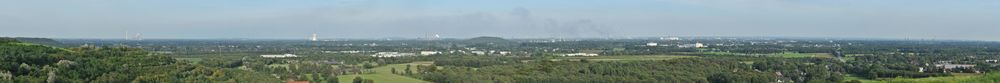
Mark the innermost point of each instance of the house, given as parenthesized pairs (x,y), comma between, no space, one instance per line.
(293,81)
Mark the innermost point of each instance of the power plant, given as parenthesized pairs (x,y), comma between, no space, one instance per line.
(314,38)
(137,36)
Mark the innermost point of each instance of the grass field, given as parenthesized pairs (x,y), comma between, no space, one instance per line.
(785,55)
(950,79)
(804,55)
(384,74)
(189,59)
(625,58)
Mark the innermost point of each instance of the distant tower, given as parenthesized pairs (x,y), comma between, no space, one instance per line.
(126,35)
(314,37)
(436,36)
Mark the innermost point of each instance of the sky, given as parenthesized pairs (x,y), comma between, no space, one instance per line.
(299,19)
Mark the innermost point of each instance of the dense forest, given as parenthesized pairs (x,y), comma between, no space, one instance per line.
(669,71)
(31,63)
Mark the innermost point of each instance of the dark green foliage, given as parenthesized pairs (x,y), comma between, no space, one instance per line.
(35,63)
(802,69)
(407,70)
(222,63)
(332,79)
(854,81)
(358,80)
(41,41)
(740,77)
(394,71)
(7,40)
(891,66)
(477,61)
(368,65)
(368,81)
(671,71)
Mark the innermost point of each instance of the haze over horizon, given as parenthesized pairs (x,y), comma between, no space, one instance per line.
(289,19)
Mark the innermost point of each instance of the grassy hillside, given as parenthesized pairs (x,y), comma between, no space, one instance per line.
(41,41)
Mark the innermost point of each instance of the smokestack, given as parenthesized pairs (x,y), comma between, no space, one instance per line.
(126,35)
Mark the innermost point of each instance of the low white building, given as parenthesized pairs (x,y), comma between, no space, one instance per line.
(504,52)
(479,52)
(429,52)
(652,44)
(695,45)
(953,66)
(279,56)
(392,54)
(581,54)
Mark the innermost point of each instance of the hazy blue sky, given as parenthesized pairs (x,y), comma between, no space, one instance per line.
(916,19)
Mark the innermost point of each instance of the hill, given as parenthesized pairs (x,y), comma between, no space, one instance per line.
(489,42)
(42,41)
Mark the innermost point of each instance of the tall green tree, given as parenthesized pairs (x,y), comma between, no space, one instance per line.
(358,80)
(394,71)
(407,70)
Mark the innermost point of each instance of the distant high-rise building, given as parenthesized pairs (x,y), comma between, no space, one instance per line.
(126,35)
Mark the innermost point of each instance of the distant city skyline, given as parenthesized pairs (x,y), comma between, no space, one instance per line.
(329,19)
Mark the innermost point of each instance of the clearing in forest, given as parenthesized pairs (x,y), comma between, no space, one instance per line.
(384,74)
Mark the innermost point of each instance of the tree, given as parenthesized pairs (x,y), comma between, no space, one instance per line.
(854,81)
(332,79)
(368,66)
(408,71)
(369,81)
(358,80)
(111,78)
(722,78)
(394,70)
